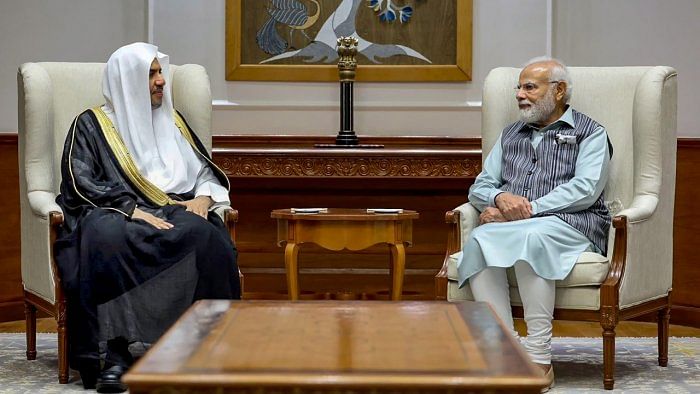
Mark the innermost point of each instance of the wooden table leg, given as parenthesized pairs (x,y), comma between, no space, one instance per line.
(291,252)
(398,265)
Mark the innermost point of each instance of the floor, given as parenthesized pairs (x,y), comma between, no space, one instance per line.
(560,329)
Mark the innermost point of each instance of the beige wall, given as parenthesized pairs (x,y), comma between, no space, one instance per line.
(506,33)
(632,33)
(61,30)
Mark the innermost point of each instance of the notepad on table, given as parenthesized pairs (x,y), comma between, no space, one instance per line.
(384,210)
(309,210)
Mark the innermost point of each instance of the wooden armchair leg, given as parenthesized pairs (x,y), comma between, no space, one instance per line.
(663,318)
(62,344)
(608,356)
(30,318)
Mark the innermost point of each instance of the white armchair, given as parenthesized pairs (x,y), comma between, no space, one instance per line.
(51,95)
(637,105)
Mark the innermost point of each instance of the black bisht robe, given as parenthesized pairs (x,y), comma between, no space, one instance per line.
(123,278)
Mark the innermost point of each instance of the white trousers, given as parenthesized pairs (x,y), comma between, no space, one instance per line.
(537,294)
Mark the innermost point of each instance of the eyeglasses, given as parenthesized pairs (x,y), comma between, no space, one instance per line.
(530,86)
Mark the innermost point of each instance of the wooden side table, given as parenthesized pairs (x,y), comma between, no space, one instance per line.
(351,229)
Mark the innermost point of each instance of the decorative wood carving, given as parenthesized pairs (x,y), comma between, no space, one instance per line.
(608,318)
(249,163)
(404,157)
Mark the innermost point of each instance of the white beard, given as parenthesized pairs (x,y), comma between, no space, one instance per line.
(539,111)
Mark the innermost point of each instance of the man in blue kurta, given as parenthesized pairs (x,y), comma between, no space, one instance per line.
(540,195)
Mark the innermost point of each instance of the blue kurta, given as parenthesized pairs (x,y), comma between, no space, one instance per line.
(548,244)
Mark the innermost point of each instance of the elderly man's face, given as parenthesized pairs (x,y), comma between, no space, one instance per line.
(537,95)
(156,82)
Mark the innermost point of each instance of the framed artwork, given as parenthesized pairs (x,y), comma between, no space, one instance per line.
(399,40)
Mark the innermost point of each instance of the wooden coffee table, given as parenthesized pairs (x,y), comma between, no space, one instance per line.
(335,346)
(339,229)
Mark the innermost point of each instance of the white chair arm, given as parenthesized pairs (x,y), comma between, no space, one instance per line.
(43,203)
(641,209)
(649,258)
(468,219)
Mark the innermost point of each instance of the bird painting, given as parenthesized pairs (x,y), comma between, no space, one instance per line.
(341,23)
(291,13)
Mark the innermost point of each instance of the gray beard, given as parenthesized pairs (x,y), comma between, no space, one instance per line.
(156,106)
(540,110)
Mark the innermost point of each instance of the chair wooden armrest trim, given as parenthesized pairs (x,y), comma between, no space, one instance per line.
(56,220)
(610,299)
(610,288)
(453,245)
(230,220)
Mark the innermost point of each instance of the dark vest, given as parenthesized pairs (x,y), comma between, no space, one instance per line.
(534,172)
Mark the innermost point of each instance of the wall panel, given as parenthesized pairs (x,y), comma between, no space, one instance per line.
(11,305)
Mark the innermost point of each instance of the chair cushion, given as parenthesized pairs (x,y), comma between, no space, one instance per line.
(582,297)
(590,270)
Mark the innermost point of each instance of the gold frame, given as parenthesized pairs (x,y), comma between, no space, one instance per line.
(461,71)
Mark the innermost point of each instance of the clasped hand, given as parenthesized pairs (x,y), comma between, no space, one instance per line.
(513,207)
(199,206)
(491,215)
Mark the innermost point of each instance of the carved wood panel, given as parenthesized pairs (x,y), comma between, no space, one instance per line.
(278,164)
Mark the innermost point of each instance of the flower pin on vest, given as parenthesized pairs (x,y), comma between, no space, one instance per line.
(563,139)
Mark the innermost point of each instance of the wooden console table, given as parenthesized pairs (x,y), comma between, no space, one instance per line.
(338,229)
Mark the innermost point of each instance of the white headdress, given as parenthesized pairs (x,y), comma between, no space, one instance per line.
(156,145)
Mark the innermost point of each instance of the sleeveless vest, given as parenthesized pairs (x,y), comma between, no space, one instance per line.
(534,172)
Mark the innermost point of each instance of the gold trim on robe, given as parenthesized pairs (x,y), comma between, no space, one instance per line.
(116,144)
(180,123)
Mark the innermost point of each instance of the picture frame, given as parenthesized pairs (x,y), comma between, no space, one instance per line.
(247,43)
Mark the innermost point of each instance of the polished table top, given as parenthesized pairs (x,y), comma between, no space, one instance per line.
(327,345)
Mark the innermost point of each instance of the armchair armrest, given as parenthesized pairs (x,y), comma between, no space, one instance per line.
(641,209)
(461,221)
(55,221)
(642,258)
(230,218)
(43,203)
(469,218)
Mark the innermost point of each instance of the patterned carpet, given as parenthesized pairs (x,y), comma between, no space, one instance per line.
(577,365)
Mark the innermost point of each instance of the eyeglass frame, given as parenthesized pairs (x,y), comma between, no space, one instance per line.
(534,86)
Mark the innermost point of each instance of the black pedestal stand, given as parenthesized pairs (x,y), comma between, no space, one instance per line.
(346,138)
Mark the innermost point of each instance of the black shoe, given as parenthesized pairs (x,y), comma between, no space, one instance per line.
(110,380)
